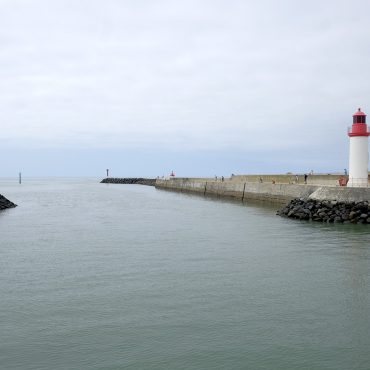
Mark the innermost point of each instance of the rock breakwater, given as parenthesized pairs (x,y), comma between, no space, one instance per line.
(327,211)
(132,180)
(6,203)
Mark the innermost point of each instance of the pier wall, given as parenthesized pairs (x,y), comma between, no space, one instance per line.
(276,193)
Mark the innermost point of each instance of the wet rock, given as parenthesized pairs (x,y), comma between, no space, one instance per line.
(352,214)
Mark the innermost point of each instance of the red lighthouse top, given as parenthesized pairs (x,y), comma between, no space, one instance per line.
(359,126)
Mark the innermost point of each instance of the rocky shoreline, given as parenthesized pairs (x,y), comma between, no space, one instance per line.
(6,203)
(327,211)
(132,180)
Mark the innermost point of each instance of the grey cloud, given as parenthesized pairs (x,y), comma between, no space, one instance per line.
(192,74)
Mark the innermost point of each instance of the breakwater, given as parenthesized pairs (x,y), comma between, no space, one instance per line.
(6,203)
(270,192)
(327,211)
(131,180)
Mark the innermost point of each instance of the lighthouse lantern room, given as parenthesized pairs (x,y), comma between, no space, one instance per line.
(358,151)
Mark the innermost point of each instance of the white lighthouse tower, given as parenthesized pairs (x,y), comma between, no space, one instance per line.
(358,151)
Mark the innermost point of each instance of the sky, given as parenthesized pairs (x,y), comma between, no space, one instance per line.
(200,87)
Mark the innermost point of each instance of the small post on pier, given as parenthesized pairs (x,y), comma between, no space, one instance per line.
(20,177)
(107,172)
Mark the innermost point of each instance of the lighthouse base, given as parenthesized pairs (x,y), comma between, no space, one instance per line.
(358,183)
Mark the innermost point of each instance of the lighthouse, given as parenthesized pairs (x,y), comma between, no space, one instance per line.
(358,151)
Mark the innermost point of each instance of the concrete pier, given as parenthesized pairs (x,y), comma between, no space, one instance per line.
(273,191)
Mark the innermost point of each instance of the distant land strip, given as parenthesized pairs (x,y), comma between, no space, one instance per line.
(131,180)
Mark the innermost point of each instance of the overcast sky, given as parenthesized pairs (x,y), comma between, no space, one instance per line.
(202,87)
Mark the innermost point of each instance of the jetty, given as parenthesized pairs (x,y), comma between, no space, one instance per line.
(316,197)
(270,188)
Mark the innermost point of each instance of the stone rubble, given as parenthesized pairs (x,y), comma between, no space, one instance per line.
(5,203)
(133,180)
(327,211)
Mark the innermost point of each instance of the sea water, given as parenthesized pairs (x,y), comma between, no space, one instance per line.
(103,276)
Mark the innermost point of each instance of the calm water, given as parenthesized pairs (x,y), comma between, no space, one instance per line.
(98,276)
